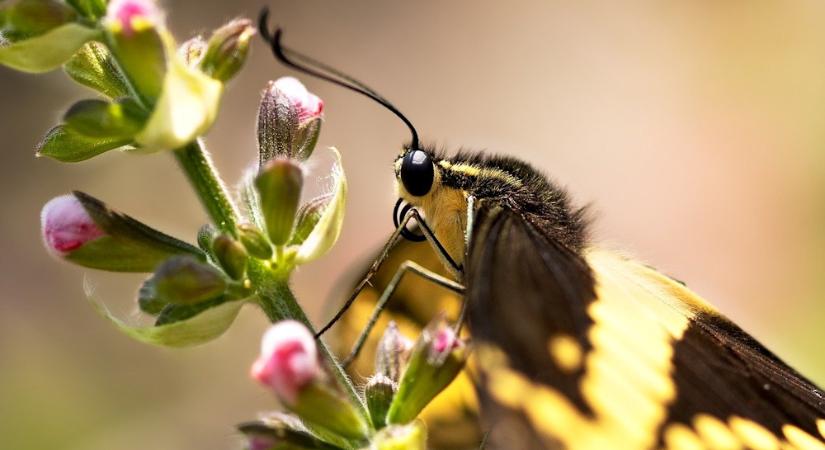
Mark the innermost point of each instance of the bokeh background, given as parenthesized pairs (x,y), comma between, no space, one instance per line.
(696,129)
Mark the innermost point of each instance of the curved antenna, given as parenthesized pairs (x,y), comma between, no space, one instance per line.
(320,70)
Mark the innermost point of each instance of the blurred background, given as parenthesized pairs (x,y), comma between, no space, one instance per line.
(695,129)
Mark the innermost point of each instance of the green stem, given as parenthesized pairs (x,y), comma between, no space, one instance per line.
(277,301)
(196,163)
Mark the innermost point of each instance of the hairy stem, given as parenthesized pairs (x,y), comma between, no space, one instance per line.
(195,162)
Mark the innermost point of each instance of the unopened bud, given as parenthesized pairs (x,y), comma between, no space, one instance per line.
(285,120)
(436,359)
(227,49)
(231,255)
(279,186)
(392,353)
(185,281)
(134,36)
(289,360)
(67,226)
(83,230)
(254,241)
(289,365)
(379,393)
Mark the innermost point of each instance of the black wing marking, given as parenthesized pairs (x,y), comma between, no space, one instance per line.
(524,289)
(722,371)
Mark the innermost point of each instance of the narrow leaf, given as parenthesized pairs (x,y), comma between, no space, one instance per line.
(67,145)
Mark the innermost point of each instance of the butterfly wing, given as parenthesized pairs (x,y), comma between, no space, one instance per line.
(593,350)
(526,293)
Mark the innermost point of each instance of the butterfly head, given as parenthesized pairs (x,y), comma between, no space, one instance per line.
(416,174)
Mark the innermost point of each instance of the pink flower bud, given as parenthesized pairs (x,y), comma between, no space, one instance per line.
(308,105)
(288,360)
(445,340)
(129,16)
(66,225)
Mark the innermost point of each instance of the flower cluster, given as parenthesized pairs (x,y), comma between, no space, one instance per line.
(408,376)
(156,95)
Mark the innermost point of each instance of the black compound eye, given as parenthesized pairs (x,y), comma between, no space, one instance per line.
(417,172)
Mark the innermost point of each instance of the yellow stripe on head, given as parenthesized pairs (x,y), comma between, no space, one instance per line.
(472,170)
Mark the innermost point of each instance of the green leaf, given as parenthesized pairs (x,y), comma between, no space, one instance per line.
(48,51)
(67,145)
(108,120)
(93,66)
(29,18)
(328,228)
(187,107)
(206,326)
(93,9)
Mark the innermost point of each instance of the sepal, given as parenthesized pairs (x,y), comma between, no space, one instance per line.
(436,359)
(307,218)
(67,145)
(94,67)
(328,228)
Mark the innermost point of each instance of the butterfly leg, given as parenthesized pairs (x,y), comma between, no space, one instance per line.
(406,266)
(468,234)
(428,234)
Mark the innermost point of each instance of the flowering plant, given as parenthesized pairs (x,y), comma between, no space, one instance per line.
(154,95)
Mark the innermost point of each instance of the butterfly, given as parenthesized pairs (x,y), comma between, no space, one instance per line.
(577,346)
